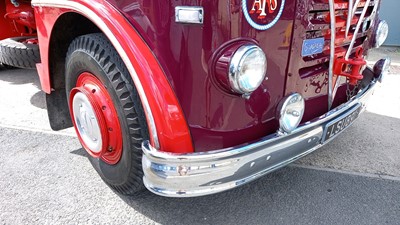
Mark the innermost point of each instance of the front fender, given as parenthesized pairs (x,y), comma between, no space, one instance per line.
(168,128)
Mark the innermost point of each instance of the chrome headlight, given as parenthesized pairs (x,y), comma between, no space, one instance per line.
(291,112)
(381,33)
(247,69)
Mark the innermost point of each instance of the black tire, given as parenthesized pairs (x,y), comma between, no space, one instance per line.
(5,67)
(95,54)
(17,54)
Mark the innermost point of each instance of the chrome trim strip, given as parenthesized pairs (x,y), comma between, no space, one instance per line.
(193,10)
(203,173)
(355,7)
(332,52)
(349,16)
(374,11)
(212,173)
(360,21)
(99,22)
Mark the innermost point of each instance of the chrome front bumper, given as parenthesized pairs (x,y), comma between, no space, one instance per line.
(197,174)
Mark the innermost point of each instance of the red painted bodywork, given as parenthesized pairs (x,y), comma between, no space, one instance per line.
(171,125)
(22,15)
(15,22)
(175,63)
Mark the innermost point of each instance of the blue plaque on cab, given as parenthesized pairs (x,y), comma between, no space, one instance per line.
(312,46)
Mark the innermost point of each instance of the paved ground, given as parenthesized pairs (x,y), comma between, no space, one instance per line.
(45,177)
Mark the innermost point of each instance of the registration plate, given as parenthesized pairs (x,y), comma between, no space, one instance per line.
(335,127)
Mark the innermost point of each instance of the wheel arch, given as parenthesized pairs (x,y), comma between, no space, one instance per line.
(167,124)
(67,27)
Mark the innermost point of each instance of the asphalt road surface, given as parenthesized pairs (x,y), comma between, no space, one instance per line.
(45,177)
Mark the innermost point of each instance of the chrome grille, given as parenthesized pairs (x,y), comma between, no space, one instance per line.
(351,26)
(309,74)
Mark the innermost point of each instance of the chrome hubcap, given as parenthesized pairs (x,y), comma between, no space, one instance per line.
(95,119)
(86,122)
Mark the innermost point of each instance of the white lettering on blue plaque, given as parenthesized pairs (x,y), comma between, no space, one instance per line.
(312,46)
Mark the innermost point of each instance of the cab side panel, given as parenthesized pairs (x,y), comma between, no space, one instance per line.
(185,51)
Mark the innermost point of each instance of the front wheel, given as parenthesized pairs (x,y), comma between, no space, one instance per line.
(106,112)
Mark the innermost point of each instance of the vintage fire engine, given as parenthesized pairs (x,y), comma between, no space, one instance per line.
(189,98)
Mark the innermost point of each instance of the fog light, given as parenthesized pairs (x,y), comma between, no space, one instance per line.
(291,112)
(381,33)
(247,69)
(381,68)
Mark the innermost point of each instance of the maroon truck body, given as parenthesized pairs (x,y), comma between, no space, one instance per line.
(186,52)
(180,69)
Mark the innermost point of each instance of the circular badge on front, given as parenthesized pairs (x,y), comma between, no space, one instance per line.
(262,14)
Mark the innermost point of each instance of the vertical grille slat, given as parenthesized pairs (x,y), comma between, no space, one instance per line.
(358,26)
(332,13)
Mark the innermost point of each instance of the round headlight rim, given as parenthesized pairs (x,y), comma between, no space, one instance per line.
(282,109)
(380,26)
(236,63)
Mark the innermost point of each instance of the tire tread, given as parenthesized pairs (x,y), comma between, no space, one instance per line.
(98,46)
(16,54)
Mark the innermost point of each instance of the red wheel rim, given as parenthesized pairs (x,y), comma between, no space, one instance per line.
(95,119)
